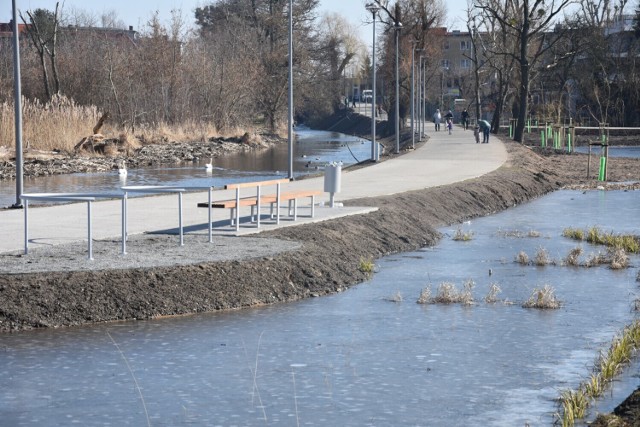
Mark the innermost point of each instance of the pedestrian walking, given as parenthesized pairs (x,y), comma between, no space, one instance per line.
(476,133)
(465,119)
(449,125)
(485,126)
(437,118)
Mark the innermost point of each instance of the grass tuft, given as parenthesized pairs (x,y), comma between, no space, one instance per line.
(448,293)
(543,298)
(522,258)
(366,266)
(463,236)
(630,243)
(542,257)
(573,257)
(492,296)
(618,258)
(425,296)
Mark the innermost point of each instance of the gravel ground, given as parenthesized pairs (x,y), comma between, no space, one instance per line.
(143,251)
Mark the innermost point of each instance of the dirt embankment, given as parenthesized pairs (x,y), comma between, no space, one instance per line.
(327,262)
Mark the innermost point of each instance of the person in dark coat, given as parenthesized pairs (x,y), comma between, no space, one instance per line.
(485,127)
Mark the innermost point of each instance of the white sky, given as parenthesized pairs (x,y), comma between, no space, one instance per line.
(137,12)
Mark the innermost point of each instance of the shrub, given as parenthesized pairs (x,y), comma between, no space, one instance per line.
(449,294)
(366,266)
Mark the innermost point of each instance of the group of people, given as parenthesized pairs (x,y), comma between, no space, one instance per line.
(482,125)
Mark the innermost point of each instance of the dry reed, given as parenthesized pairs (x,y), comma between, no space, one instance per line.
(543,298)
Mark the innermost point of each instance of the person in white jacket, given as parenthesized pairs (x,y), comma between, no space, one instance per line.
(437,118)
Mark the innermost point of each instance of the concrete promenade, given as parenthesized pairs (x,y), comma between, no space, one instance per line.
(444,159)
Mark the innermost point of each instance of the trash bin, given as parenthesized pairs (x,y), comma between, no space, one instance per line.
(332,178)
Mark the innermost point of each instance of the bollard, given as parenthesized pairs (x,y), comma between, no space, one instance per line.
(603,165)
(510,132)
(542,139)
(569,142)
(529,126)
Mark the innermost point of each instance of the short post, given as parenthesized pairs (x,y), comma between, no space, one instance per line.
(89,232)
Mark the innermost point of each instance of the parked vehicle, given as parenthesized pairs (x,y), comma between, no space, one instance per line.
(367,95)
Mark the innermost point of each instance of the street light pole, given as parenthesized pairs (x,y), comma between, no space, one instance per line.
(373,8)
(413,100)
(290,125)
(397,27)
(17,107)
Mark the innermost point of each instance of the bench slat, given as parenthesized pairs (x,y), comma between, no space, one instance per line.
(256,183)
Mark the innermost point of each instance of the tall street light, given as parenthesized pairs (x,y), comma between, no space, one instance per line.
(413,103)
(290,125)
(18,106)
(397,27)
(373,8)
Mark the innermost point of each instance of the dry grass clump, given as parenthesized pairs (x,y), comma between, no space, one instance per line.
(543,298)
(462,236)
(596,259)
(542,257)
(522,258)
(518,233)
(574,406)
(425,296)
(573,233)
(618,258)
(573,257)
(448,293)
(492,295)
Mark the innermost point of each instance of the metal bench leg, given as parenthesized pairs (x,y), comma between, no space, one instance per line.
(295,209)
(232,215)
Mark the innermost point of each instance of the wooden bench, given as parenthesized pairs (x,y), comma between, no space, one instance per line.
(258,199)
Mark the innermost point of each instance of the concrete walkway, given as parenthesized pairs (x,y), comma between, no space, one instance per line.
(444,159)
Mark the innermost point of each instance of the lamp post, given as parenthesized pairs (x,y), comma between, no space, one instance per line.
(18,107)
(423,109)
(397,27)
(476,71)
(373,8)
(415,95)
(290,125)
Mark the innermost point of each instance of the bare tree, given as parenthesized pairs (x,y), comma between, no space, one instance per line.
(42,29)
(527,21)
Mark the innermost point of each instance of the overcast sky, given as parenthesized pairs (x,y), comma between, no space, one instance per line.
(137,12)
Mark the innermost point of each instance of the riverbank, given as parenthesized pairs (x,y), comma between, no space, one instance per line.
(325,258)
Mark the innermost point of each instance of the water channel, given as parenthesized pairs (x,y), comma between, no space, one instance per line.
(369,356)
(312,150)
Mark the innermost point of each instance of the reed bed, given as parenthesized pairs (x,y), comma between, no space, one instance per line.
(61,123)
(55,125)
(630,243)
(574,403)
